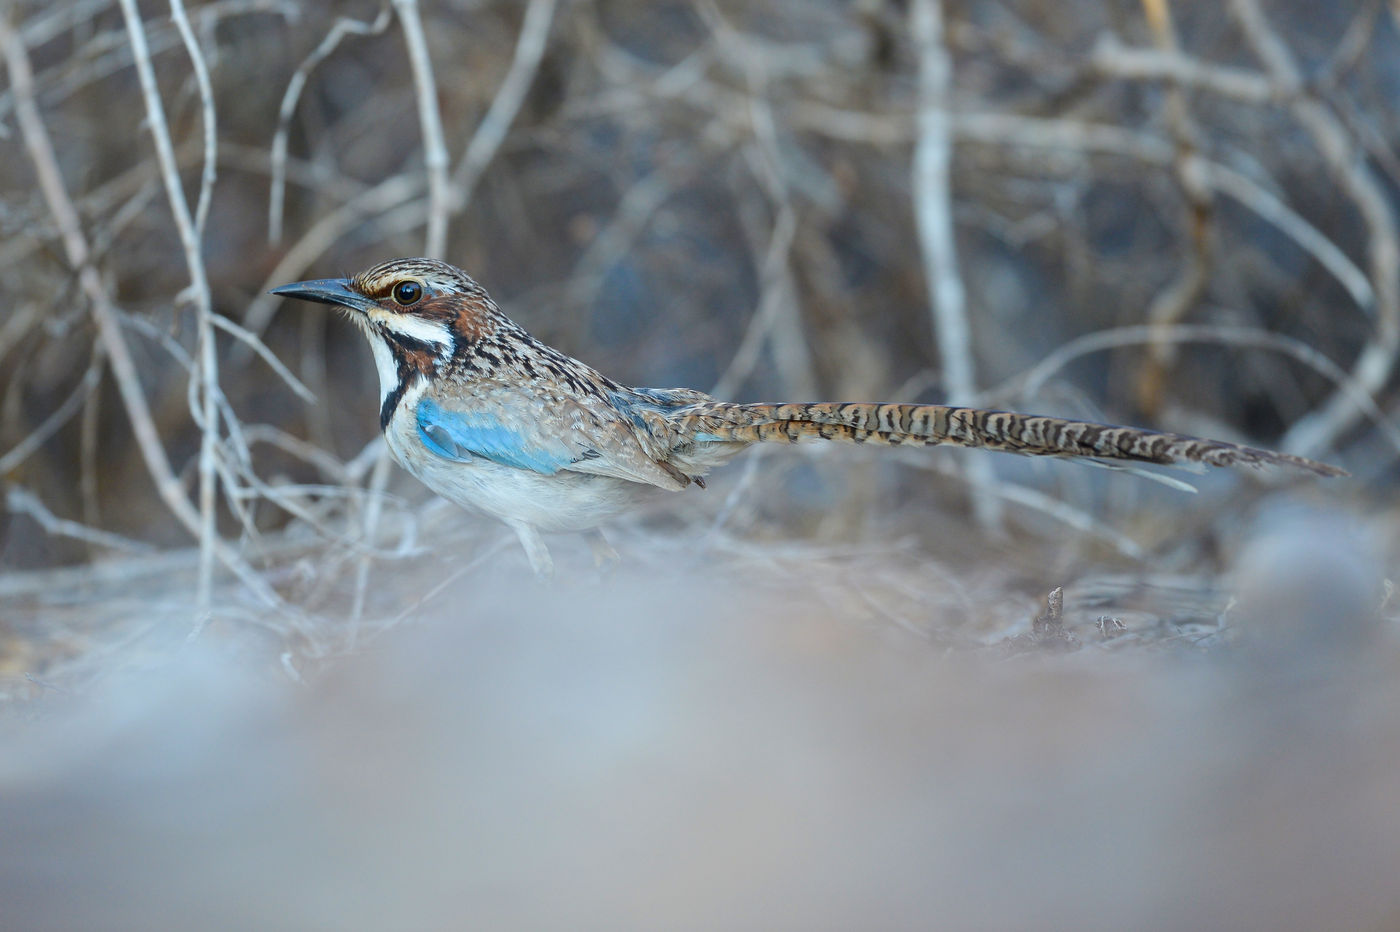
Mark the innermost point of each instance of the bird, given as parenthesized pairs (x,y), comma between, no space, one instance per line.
(496,421)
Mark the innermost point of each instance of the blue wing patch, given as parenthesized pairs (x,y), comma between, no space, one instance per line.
(459,436)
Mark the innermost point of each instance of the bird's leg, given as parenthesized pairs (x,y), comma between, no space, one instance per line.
(535,550)
(604,556)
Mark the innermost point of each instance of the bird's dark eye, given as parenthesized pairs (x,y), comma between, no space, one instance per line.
(408,292)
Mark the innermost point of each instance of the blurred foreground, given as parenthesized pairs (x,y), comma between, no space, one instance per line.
(750,743)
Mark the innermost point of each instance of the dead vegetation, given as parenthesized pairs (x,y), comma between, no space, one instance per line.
(1179,215)
(1145,213)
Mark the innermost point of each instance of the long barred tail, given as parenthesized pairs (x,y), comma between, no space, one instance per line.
(1034,435)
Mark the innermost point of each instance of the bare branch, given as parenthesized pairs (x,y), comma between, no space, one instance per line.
(60,416)
(266,355)
(1117,61)
(1033,380)
(1176,299)
(430,122)
(22,501)
(199,289)
(933,212)
(390,193)
(206,101)
(1376,362)
(745,358)
(491,132)
(778,322)
(342,27)
(75,245)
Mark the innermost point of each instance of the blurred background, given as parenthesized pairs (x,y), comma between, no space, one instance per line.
(1178,215)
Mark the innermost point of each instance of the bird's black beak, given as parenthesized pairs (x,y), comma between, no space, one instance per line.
(335,291)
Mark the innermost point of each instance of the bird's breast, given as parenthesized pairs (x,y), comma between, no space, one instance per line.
(563,501)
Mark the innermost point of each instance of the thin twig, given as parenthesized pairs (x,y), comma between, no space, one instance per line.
(1116,61)
(108,53)
(199,289)
(1175,300)
(761,324)
(208,116)
(19,500)
(390,193)
(75,246)
(1030,382)
(88,431)
(266,355)
(301,449)
(342,27)
(491,132)
(378,481)
(430,124)
(778,323)
(1035,500)
(60,416)
(933,211)
(1354,175)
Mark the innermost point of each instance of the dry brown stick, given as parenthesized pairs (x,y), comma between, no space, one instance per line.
(1175,300)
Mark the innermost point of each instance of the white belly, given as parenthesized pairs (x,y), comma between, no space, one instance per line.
(565,501)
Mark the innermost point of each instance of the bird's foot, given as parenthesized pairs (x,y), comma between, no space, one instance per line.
(605,558)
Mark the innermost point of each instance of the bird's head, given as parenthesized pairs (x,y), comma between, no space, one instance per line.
(416,313)
(417,306)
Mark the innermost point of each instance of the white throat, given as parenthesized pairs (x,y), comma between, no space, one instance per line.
(430,333)
(386,364)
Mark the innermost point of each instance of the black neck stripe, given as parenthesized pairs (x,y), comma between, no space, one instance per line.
(391,400)
(404,349)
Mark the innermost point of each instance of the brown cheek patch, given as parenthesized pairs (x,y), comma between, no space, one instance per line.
(418,361)
(465,315)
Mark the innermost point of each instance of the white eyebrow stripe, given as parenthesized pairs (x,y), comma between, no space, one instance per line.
(415,328)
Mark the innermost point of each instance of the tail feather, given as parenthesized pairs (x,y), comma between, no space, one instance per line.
(1032,435)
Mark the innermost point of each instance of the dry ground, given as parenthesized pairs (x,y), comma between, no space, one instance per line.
(721,733)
